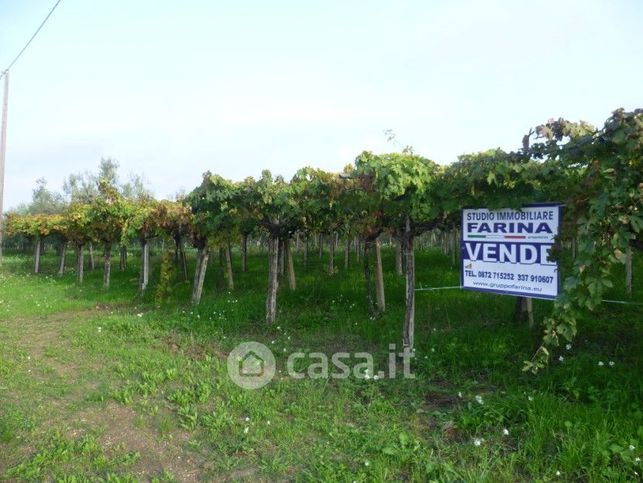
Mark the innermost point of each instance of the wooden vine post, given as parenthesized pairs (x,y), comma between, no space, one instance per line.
(202,256)
(273,279)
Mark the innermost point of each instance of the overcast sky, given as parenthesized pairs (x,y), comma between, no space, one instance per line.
(172,89)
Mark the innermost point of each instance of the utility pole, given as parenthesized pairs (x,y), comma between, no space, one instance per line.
(3,150)
(5,104)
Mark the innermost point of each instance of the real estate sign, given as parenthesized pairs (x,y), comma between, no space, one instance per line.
(507,251)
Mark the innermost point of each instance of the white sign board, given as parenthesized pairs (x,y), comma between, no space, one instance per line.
(507,251)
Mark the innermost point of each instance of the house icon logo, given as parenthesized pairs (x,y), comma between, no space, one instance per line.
(251,365)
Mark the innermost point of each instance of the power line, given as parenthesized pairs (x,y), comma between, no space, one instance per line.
(30,40)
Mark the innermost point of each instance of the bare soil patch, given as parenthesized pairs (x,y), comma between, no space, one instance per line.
(119,429)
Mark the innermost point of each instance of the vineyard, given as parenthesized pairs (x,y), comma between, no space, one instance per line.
(596,174)
(506,388)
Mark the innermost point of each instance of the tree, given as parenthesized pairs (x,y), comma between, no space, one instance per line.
(366,205)
(80,188)
(279,214)
(83,187)
(214,210)
(175,221)
(134,188)
(78,233)
(45,201)
(319,195)
(108,214)
(142,225)
(33,227)
(400,187)
(607,208)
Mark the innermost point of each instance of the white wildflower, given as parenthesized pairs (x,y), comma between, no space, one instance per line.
(632,447)
(557,473)
(505,432)
(479,399)
(561,358)
(568,347)
(600,363)
(477,441)
(140,315)
(245,431)
(611,363)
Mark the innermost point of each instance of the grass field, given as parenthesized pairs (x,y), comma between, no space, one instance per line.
(98,385)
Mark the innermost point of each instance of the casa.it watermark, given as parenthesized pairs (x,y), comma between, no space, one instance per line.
(251,365)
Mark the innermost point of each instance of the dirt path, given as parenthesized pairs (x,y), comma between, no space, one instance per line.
(59,376)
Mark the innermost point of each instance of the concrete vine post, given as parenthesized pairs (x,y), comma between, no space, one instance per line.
(80,264)
(379,278)
(63,253)
(36,255)
(409,275)
(107,265)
